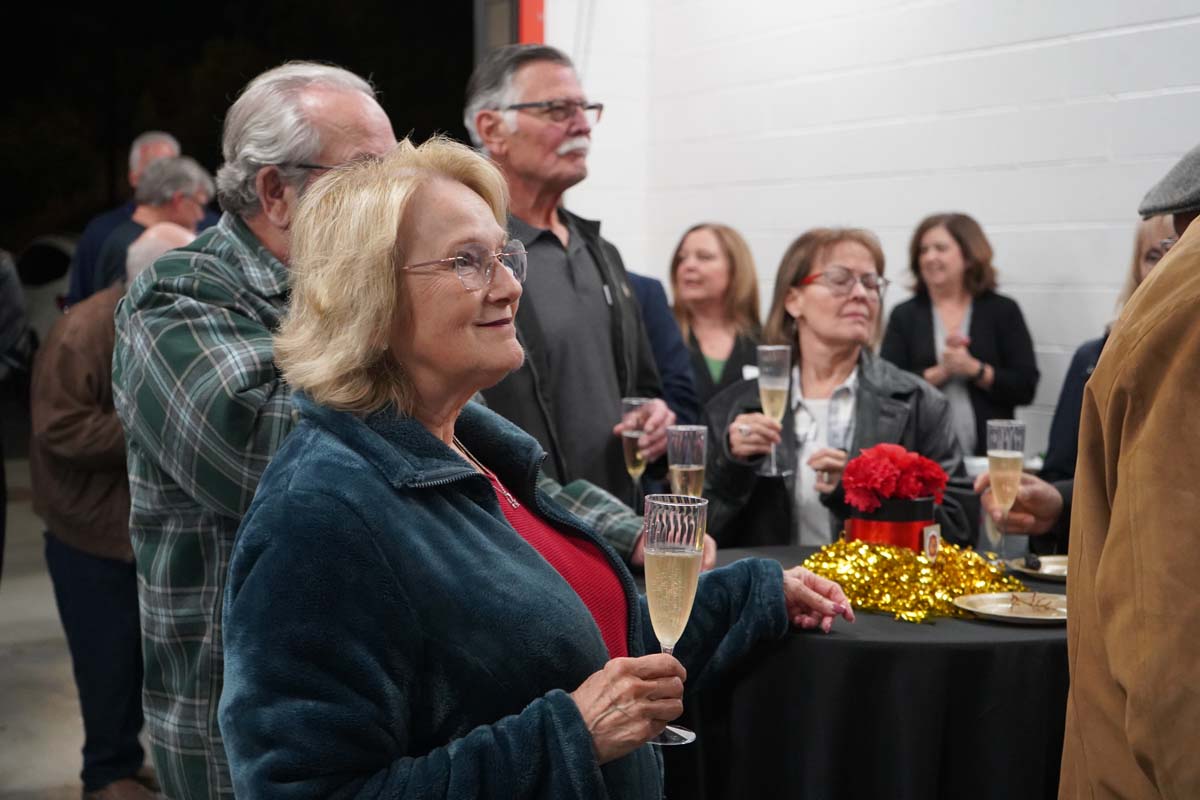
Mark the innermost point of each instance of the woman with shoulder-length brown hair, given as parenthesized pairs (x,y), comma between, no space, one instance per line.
(842,398)
(958,333)
(715,285)
(406,613)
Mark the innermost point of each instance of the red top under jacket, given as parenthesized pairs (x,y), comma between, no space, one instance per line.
(582,564)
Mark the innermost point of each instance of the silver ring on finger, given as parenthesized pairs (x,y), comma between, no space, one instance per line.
(824,476)
(744,430)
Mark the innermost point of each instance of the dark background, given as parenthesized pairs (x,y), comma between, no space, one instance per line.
(81,83)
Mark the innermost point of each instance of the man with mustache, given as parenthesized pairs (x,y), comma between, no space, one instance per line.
(580,324)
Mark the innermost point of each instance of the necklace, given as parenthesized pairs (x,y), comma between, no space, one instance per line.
(487,472)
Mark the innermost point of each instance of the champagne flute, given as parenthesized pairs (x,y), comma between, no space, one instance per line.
(685,457)
(1006,460)
(633,413)
(774,379)
(674,533)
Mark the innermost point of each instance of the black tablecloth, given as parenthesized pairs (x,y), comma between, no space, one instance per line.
(883,709)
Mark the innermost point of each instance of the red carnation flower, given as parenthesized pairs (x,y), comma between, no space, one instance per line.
(888,471)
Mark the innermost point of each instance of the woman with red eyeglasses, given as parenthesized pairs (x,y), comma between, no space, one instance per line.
(842,398)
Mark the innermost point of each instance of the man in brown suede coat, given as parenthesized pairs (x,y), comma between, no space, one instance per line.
(1133,630)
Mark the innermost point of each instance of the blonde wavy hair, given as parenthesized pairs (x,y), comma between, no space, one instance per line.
(345,253)
(741,298)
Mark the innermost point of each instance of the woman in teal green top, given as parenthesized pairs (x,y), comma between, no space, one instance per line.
(715,287)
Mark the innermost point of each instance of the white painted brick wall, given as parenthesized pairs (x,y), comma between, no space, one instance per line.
(1047,120)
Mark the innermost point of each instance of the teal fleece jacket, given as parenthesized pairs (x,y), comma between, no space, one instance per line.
(388,634)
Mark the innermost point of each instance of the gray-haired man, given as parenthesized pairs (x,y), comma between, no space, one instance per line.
(581,327)
(203,407)
(171,190)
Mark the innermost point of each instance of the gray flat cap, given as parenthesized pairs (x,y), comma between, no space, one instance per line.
(1178,191)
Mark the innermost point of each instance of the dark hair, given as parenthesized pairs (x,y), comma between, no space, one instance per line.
(492,78)
(979,275)
(798,261)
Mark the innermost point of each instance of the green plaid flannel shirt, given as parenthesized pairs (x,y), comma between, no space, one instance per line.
(204,409)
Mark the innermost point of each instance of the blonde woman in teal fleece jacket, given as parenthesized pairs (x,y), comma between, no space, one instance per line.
(407,615)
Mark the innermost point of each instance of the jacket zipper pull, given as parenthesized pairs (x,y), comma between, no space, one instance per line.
(512,501)
(607,294)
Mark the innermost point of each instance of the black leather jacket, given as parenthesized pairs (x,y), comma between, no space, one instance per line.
(746,509)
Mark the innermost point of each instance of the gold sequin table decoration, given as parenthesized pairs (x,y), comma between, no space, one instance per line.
(904,583)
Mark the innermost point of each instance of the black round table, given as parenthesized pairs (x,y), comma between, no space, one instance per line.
(883,709)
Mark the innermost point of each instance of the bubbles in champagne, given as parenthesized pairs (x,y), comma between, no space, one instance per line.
(671,578)
(687,479)
(1005,467)
(635,465)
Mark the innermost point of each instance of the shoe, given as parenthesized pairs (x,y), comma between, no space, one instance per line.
(124,789)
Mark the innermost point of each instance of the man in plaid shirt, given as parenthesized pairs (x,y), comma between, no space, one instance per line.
(204,408)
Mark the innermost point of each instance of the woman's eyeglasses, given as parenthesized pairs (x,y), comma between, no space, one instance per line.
(840,282)
(475,264)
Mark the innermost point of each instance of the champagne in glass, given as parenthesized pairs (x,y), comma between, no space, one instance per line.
(686,457)
(674,535)
(1006,459)
(635,465)
(773,396)
(1005,468)
(774,379)
(633,415)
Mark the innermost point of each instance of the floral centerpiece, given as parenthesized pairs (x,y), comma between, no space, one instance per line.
(892,492)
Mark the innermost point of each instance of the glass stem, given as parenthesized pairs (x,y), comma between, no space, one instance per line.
(774,468)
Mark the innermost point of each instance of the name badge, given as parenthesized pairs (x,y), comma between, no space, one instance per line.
(749,372)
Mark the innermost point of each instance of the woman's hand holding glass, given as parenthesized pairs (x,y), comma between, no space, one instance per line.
(814,601)
(752,435)
(629,702)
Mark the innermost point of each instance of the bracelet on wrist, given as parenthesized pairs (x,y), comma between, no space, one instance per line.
(982,371)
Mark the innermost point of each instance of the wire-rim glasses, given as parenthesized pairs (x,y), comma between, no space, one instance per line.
(561,110)
(475,264)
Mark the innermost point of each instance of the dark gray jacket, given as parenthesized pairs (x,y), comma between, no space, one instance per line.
(746,509)
(526,396)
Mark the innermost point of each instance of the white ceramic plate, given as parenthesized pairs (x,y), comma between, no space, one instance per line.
(1053,568)
(1022,608)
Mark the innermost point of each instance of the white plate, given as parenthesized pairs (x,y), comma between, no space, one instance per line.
(1054,568)
(1023,608)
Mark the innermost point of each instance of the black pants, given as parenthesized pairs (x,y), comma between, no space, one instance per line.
(98,605)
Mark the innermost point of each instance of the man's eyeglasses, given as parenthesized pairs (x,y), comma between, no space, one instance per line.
(840,282)
(475,264)
(560,110)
